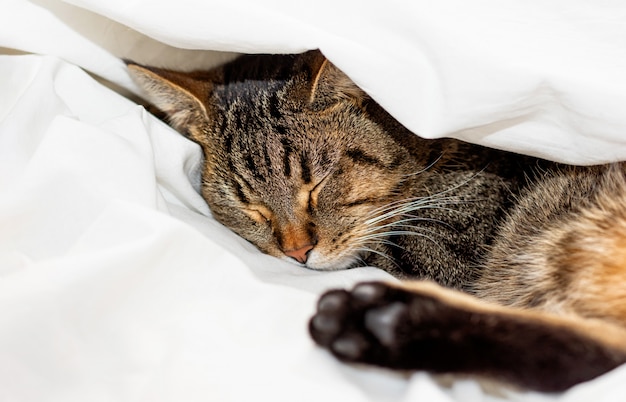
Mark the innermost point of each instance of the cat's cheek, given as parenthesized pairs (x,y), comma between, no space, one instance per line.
(272,250)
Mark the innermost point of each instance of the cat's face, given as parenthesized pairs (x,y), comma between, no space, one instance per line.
(305,191)
(294,165)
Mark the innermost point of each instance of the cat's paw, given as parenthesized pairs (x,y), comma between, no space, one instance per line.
(422,326)
(380,324)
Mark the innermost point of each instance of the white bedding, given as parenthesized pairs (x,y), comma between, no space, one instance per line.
(115,283)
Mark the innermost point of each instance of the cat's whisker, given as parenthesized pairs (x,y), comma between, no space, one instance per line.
(400,207)
(394,203)
(388,243)
(381,240)
(360,261)
(425,168)
(419,199)
(412,200)
(362,236)
(439,206)
(401,233)
(381,233)
(410,207)
(371,250)
(409,228)
(361,243)
(406,223)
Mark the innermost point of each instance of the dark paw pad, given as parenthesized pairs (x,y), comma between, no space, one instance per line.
(383,322)
(360,325)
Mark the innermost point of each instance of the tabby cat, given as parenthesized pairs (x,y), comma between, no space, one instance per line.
(515,267)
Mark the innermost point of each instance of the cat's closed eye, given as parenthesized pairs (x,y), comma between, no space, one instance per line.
(314,193)
(258,213)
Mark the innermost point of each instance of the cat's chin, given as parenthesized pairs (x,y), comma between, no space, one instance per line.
(319,262)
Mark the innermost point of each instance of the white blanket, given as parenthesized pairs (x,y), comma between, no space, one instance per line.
(115,283)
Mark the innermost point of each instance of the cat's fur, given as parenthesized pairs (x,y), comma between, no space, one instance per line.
(300,162)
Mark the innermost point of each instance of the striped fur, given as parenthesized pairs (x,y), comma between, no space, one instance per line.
(300,162)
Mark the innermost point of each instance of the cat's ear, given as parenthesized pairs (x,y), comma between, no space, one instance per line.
(179,95)
(330,85)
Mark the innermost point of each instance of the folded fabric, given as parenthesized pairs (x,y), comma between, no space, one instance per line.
(116,283)
(537,78)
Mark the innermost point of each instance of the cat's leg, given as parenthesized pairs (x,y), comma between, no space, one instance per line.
(422,326)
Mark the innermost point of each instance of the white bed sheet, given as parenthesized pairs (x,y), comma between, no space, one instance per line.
(115,283)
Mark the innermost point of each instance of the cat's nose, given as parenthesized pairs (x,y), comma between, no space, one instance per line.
(301,254)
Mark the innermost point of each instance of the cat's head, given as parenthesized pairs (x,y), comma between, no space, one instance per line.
(294,162)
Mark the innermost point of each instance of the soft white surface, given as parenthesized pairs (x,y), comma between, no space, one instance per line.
(545,78)
(115,285)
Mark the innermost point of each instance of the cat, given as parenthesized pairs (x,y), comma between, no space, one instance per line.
(513,268)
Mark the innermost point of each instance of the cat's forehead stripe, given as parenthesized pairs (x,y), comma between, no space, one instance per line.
(305,170)
(287,151)
(252,168)
(280,129)
(268,161)
(274,109)
(360,156)
(240,193)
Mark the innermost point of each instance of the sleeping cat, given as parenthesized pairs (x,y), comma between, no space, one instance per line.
(514,267)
